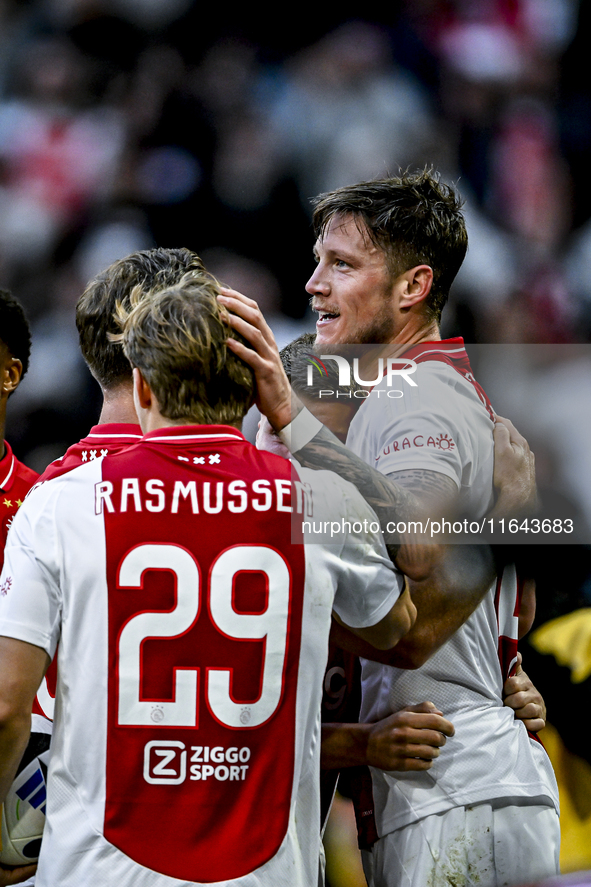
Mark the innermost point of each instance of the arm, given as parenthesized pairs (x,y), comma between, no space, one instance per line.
(414,493)
(388,631)
(514,472)
(436,620)
(409,739)
(22,667)
(443,602)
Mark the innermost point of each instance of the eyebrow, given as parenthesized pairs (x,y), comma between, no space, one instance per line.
(342,253)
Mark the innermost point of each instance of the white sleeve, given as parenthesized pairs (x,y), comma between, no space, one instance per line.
(344,533)
(421,440)
(439,426)
(30,601)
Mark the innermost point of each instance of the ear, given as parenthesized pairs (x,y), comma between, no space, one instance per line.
(11,375)
(142,392)
(416,285)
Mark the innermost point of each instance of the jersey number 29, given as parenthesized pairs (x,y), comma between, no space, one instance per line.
(270,625)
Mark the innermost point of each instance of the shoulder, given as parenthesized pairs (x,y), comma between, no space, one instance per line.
(47,491)
(25,474)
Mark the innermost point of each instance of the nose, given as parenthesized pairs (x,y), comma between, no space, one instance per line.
(318,285)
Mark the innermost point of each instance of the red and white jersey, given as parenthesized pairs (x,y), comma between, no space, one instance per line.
(444,424)
(15,482)
(102,440)
(491,754)
(193,637)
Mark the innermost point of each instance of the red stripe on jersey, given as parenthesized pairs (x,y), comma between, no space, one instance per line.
(205,615)
(507,606)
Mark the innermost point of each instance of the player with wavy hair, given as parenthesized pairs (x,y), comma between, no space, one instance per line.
(178,339)
(117,427)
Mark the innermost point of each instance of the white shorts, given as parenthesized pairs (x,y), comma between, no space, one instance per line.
(499,844)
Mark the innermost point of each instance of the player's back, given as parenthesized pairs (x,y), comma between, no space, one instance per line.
(178,701)
(193,636)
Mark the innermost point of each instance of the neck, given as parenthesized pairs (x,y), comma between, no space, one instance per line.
(118,406)
(411,335)
(152,420)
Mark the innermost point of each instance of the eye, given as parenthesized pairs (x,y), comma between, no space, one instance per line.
(340,263)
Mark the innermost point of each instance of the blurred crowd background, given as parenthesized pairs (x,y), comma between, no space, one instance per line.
(128,124)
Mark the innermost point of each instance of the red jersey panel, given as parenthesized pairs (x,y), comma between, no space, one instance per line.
(205,594)
(15,482)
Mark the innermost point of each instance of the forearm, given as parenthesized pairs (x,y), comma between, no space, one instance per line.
(408,497)
(22,667)
(390,501)
(443,602)
(409,739)
(14,735)
(343,745)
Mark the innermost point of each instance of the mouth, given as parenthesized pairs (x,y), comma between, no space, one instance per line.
(326,316)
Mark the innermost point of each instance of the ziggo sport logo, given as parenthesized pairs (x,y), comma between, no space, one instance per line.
(390,367)
(165,762)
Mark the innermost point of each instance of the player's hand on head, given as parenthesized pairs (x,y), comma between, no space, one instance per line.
(409,739)
(16,874)
(514,471)
(274,395)
(520,694)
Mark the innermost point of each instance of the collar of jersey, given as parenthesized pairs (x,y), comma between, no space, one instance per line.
(7,464)
(442,346)
(434,350)
(195,434)
(116,429)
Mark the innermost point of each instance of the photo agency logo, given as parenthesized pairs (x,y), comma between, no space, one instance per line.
(345,379)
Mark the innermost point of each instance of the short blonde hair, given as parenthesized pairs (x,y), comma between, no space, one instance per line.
(177,338)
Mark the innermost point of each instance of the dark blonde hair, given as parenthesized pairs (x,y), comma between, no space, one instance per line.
(177,338)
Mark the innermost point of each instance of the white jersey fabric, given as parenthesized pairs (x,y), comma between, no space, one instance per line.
(444,424)
(59,574)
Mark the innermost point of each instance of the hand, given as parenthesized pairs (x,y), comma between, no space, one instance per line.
(514,472)
(526,701)
(16,874)
(409,739)
(268,440)
(274,395)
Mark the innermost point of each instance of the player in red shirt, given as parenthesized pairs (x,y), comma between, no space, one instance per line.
(193,629)
(15,345)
